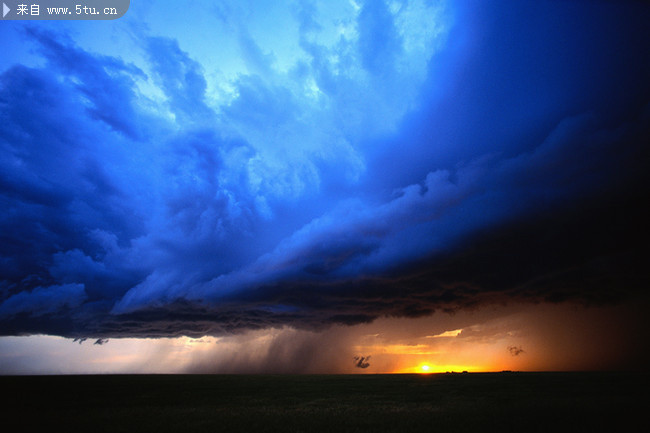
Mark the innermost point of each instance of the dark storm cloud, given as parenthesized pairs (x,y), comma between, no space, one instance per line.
(181,79)
(110,99)
(515,351)
(65,213)
(55,193)
(523,186)
(378,38)
(43,300)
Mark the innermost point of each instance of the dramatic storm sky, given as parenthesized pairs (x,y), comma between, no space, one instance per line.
(336,186)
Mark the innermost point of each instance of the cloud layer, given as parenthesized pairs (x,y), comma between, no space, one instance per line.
(385,167)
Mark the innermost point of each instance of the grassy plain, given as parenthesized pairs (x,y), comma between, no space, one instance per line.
(510,402)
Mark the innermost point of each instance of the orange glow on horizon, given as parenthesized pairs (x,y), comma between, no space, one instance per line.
(427,368)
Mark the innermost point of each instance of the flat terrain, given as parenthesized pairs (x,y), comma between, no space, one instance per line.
(512,402)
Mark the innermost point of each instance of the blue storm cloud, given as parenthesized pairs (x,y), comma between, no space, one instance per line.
(411,157)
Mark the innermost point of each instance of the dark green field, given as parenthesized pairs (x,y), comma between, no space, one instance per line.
(528,402)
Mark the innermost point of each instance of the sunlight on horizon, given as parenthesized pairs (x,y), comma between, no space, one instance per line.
(443,368)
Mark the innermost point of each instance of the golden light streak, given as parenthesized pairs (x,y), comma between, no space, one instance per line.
(447,334)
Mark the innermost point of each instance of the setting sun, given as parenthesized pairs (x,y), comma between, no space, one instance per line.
(425,368)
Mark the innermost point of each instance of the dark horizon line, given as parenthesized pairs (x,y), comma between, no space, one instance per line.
(450,373)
